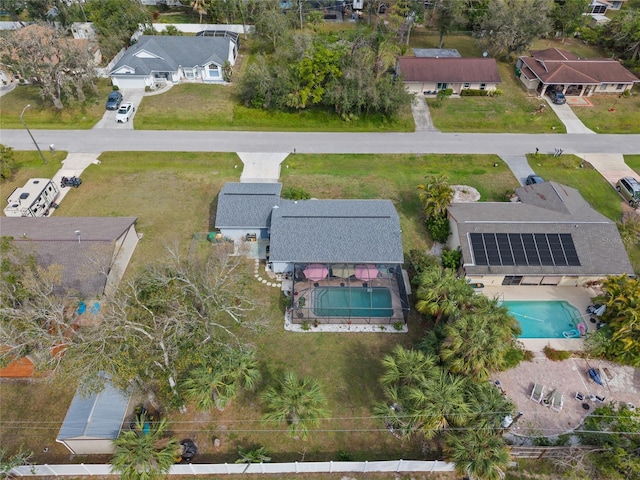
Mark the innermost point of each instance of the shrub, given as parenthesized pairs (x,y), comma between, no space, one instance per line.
(295,193)
(420,261)
(438,228)
(472,92)
(398,326)
(451,259)
(514,355)
(344,456)
(556,355)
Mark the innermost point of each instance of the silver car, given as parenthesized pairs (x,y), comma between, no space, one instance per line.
(125,112)
(629,189)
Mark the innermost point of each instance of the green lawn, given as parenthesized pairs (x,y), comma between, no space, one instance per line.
(612,113)
(396,177)
(42,115)
(595,189)
(514,111)
(634,162)
(215,107)
(29,165)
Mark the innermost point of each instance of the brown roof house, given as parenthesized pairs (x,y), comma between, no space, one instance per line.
(550,237)
(92,251)
(429,75)
(562,70)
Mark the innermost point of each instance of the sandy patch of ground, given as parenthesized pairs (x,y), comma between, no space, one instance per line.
(464,193)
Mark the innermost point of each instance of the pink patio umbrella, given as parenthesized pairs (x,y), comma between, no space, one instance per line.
(366,272)
(316,271)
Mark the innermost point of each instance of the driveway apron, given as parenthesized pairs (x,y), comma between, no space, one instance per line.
(610,165)
(519,166)
(422,115)
(261,167)
(570,120)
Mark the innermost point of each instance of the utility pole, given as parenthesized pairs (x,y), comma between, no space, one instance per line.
(29,132)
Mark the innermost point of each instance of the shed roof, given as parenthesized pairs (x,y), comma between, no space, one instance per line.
(165,53)
(424,69)
(333,231)
(246,205)
(95,416)
(558,66)
(547,207)
(53,240)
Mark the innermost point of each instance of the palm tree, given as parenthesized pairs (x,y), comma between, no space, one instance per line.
(299,402)
(435,195)
(199,6)
(480,454)
(144,453)
(621,296)
(216,385)
(441,294)
(257,455)
(442,403)
(478,340)
(488,404)
(406,367)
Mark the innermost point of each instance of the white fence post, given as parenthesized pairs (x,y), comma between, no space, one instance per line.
(331,466)
(364,469)
(399,465)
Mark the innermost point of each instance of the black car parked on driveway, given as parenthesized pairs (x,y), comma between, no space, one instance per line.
(114,100)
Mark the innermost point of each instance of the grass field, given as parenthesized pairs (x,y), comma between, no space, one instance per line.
(29,165)
(634,162)
(215,107)
(42,115)
(595,189)
(514,111)
(612,113)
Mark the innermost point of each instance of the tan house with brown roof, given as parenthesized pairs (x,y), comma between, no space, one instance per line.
(429,75)
(562,70)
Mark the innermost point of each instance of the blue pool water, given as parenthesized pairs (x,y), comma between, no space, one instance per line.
(352,302)
(544,319)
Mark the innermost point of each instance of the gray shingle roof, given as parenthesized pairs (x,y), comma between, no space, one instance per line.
(53,241)
(336,231)
(174,51)
(547,207)
(246,204)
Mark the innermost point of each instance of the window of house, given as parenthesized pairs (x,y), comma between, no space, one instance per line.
(467,85)
(483,86)
(213,71)
(603,86)
(188,72)
(441,86)
(620,86)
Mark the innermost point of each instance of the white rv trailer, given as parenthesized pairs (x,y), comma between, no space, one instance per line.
(32,200)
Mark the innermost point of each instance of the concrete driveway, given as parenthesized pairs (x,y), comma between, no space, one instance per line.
(108,120)
(570,120)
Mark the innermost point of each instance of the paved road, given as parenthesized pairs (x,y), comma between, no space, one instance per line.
(101,140)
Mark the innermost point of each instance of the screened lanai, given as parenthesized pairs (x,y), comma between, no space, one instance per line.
(341,293)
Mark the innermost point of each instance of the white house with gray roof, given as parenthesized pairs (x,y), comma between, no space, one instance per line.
(551,236)
(160,59)
(244,209)
(334,231)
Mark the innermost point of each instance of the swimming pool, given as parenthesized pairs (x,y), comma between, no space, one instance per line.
(544,319)
(352,302)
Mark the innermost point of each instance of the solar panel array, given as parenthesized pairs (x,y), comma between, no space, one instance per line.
(548,249)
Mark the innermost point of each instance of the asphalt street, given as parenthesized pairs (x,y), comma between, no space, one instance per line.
(101,140)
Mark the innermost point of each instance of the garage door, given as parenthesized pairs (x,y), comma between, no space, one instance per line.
(137,82)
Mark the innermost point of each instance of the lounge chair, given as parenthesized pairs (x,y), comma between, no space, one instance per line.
(537,392)
(579,396)
(557,401)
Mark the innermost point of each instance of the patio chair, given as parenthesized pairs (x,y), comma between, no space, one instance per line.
(537,392)
(579,396)
(557,401)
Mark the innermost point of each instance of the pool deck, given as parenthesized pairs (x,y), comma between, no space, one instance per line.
(579,297)
(622,384)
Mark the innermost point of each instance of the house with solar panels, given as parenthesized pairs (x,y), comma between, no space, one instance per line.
(551,236)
